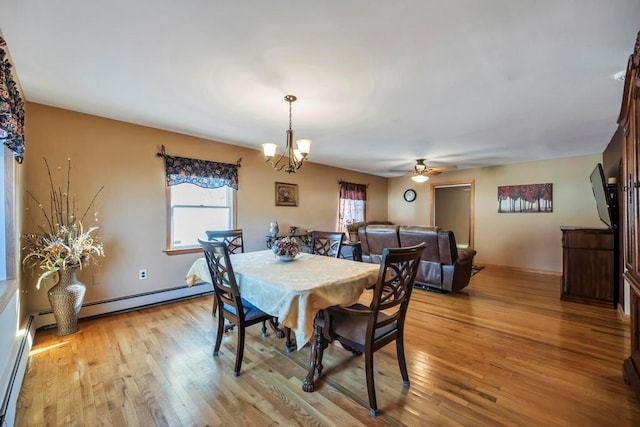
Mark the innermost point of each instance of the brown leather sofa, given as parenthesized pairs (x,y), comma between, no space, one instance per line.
(443,267)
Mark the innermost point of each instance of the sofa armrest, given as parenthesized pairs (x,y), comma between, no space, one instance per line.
(465,256)
(457,276)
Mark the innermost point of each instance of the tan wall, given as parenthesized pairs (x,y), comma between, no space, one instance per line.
(524,240)
(122,157)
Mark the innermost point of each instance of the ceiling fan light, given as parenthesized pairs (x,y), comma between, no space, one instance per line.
(420,178)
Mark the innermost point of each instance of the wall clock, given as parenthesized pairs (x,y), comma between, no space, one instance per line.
(410,195)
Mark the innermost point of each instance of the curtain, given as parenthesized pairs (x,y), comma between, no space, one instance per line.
(11,106)
(352,205)
(202,173)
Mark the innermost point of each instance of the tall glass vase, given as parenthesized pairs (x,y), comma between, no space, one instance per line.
(66,300)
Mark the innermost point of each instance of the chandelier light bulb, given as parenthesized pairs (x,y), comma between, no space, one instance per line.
(269,150)
(304,146)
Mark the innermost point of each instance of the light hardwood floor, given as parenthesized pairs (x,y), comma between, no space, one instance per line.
(505,351)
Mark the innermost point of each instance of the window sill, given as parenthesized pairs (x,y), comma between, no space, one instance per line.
(183,251)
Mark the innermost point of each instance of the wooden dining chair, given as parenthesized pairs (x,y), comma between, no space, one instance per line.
(327,243)
(361,329)
(231,305)
(235,244)
(232,238)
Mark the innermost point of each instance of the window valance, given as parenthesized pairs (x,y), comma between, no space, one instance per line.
(11,106)
(203,173)
(352,191)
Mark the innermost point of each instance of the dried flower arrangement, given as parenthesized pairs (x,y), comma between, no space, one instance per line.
(63,242)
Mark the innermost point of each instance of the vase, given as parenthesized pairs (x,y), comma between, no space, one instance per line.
(274,229)
(286,258)
(66,300)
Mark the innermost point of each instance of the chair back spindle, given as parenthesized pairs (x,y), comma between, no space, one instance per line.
(232,238)
(326,243)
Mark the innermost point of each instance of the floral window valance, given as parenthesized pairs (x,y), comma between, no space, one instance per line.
(11,106)
(203,173)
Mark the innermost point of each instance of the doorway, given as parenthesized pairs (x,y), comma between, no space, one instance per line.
(452,209)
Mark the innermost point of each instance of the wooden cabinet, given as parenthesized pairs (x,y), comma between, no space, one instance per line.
(588,273)
(631,366)
(629,122)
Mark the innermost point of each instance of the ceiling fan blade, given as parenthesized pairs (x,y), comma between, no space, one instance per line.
(443,168)
(432,172)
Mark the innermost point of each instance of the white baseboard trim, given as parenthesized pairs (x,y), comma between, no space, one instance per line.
(131,302)
(10,400)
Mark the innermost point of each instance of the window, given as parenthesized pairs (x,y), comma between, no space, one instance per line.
(194,209)
(352,206)
(200,194)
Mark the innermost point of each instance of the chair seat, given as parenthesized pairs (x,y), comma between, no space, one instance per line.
(251,312)
(354,328)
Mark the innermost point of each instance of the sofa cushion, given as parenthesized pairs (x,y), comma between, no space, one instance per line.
(410,235)
(377,238)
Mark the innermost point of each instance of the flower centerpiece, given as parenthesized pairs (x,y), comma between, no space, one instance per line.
(62,246)
(286,248)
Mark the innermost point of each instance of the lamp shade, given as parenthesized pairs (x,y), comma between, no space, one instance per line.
(304,145)
(420,178)
(269,149)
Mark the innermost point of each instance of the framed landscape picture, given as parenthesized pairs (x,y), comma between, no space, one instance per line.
(286,194)
(527,198)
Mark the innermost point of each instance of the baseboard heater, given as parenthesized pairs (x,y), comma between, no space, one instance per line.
(131,302)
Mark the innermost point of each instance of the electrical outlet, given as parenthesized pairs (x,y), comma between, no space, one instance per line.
(142,274)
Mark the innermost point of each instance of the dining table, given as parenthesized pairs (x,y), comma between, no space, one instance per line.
(296,292)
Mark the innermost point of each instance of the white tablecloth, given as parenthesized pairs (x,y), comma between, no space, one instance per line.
(294,291)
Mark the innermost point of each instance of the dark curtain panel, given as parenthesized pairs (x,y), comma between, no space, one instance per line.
(352,191)
(11,106)
(202,173)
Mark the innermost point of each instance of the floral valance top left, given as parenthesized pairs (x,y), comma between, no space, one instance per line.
(11,105)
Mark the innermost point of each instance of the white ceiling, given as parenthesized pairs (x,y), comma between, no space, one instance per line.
(379,84)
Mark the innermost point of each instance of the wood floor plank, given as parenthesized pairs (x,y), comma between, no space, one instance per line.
(506,351)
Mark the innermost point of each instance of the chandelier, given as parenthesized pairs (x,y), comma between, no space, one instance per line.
(295,156)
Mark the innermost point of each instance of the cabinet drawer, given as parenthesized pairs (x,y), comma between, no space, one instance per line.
(588,239)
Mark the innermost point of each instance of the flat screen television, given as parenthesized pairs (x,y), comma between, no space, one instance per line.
(602,196)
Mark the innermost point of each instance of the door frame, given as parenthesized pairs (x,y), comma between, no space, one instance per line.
(472,194)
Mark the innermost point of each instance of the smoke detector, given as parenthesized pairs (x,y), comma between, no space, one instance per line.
(619,76)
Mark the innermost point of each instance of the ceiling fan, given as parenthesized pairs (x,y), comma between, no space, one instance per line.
(421,172)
